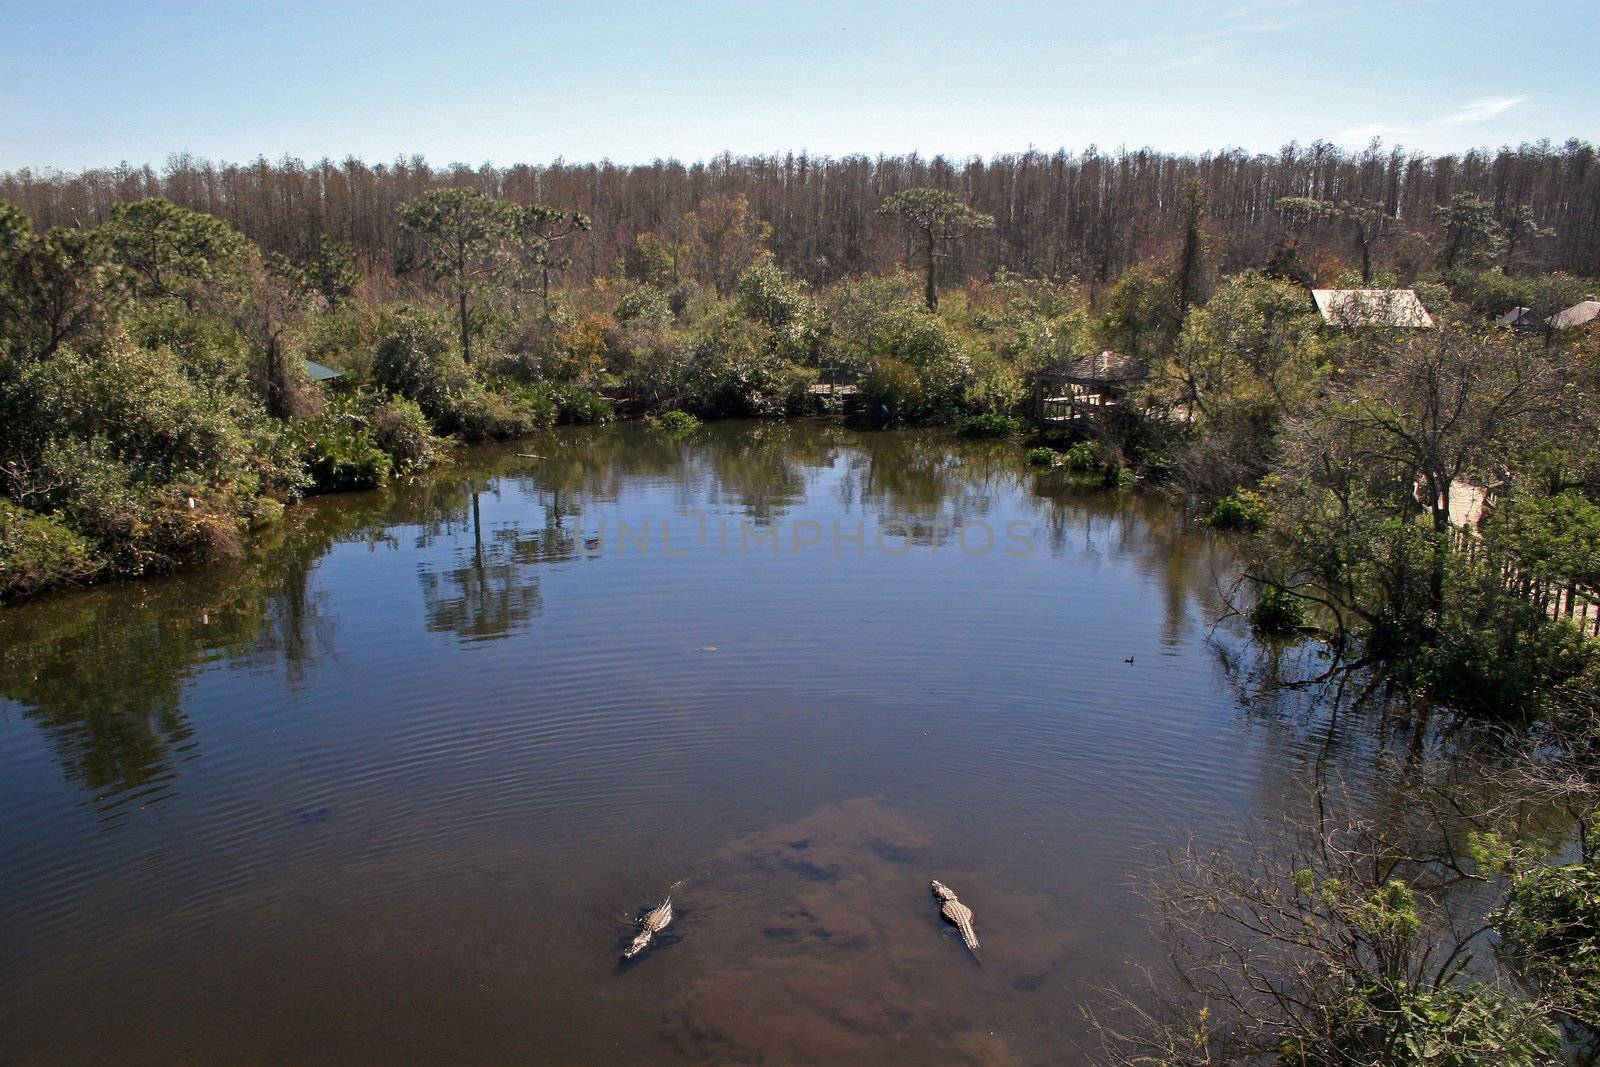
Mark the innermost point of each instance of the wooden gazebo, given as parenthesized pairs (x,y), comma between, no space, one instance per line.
(1087,385)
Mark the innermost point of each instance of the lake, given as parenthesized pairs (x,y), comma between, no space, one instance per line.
(394,787)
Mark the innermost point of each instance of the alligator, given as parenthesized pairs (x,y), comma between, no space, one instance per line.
(653,923)
(952,908)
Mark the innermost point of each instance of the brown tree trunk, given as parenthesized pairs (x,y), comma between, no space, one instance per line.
(933,267)
(466,328)
(1186,269)
(1441,548)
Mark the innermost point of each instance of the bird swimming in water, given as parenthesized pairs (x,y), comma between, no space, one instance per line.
(1128,660)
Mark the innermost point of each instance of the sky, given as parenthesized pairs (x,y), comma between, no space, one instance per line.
(96,83)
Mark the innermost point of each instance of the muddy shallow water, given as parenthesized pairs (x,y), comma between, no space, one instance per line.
(393,788)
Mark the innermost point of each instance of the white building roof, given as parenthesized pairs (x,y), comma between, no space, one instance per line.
(1371,307)
(1576,315)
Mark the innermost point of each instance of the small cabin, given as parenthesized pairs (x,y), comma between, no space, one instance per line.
(1090,384)
(1372,307)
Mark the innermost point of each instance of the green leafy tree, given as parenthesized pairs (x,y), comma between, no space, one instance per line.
(941,218)
(658,260)
(726,239)
(1551,931)
(279,295)
(1141,318)
(469,243)
(780,303)
(913,367)
(1362,489)
(334,273)
(1555,538)
(173,252)
(1472,235)
(54,287)
(1327,945)
(1522,230)
(1367,220)
(39,552)
(1250,358)
(540,231)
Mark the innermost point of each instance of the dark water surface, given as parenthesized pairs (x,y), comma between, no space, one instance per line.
(392,789)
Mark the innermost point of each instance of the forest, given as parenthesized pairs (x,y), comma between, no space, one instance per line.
(1088,215)
(164,337)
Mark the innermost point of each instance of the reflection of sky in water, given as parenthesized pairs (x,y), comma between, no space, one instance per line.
(403,775)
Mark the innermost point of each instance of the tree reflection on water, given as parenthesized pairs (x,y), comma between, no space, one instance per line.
(103,672)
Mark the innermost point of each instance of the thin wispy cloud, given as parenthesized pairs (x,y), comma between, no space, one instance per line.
(1247,11)
(1213,44)
(1473,111)
(1483,110)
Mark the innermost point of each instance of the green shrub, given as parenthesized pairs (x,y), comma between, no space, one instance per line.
(1277,612)
(534,406)
(734,372)
(343,337)
(161,425)
(891,390)
(208,350)
(149,464)
(481,414)
(417,358)
(677,423)
(651,363)
(138,528)
(39,552)
(1081,458)
(1042,457)
(642,302)
(568,405)
(771,297)
(401,429)
(996,385)
(343,453)
(1496,654)
(989,426)
(1550,935)
(914,367)
(1243,511)
(1417,1025)
(583,407)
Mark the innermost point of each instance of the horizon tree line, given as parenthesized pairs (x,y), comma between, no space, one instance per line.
(1090,214)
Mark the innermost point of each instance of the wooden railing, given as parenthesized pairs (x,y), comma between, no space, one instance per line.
(1578,604)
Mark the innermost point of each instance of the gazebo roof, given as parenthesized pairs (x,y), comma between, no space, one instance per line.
(1107,367)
